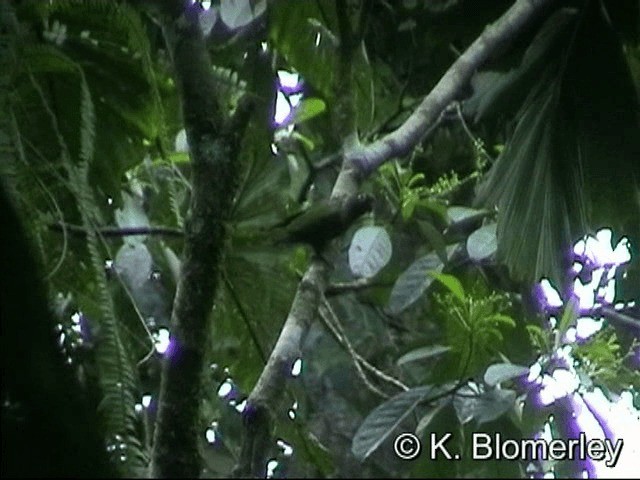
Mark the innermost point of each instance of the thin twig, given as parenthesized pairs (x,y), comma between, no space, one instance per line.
(344,287)
(328,316)
(80,231)
(358,359)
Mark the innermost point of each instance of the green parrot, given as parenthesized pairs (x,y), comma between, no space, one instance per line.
(323,221)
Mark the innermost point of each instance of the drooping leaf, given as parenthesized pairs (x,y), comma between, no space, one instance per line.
(414,281)
(261,198)
(298,32)
(565,165)
(496,93)
(370,251)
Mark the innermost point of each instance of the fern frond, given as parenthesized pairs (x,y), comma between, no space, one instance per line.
(124,24)
(117,378)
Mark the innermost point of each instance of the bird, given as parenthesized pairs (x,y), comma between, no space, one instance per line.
(322,222)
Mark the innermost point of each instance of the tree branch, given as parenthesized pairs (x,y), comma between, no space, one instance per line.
(80,231)
(401,141)
(621,319)
(358,162)
(268,390)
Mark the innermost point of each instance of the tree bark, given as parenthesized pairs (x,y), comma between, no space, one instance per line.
(214,145)
(359,161)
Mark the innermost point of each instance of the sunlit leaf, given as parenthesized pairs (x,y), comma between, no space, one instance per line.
(308,109)
(464,214)
(451,282)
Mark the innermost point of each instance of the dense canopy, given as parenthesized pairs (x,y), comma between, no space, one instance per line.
(331,238)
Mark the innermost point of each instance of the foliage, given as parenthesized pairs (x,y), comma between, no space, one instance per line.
(427,325)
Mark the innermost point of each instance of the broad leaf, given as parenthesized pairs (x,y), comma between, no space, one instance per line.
(482,243)
(565,168)
(434,237)
(427,418)
(370,251)
(308,109)
(497,93)
(451,282)
(413,282)
(464,214)
(384,420)
(423,353)
(298,32)
(482,407)
(501,372)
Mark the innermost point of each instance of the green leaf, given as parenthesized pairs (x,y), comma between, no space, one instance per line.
(482,407)
(458,215)
(293,31)
(306,110)
(482,243)
(422,353)
(564,169)
(416,179)
(435,238)
(409,202)
(386,418)
(306,141)
(500,318)
(178,158)
(501,372)
(413,282)
(428,418)
(299,174)
(569,316)
(451,282)
(370,251)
